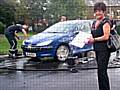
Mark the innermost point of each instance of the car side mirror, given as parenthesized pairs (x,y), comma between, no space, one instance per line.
(76,32)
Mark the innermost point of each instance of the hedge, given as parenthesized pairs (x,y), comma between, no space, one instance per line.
(2,28)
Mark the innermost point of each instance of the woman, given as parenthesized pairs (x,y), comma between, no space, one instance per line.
(100,32)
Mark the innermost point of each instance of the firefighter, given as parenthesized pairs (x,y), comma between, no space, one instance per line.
(12,37)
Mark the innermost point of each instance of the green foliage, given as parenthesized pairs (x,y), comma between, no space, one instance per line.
(13,11)
(35,8)
(70,8)
(53,9)
(1,28)
(21,12)
(6,13)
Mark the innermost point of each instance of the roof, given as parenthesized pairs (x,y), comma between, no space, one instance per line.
(107,2)
(76,21)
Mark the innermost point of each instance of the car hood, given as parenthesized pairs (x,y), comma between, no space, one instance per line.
(41,37)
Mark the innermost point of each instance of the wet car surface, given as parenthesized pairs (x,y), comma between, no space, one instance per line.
(55,40)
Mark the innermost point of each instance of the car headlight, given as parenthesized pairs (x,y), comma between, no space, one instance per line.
(44,43)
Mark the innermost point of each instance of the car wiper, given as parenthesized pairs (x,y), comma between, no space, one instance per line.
(52,32)
(55,32)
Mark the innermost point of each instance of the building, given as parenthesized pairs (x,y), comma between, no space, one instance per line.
(113,7)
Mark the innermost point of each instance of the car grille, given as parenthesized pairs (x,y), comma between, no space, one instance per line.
(35,49)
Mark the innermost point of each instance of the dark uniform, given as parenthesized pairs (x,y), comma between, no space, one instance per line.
(102,56)
(10,35)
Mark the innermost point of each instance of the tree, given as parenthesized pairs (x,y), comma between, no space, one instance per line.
(35,8)
(6,13)
(71,8)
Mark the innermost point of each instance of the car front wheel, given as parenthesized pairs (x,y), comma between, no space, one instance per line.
(62,52)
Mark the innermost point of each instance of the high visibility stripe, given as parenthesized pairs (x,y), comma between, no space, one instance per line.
(13,44)
(12,49)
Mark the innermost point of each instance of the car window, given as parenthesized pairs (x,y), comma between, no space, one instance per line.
(60,28)
(86,27)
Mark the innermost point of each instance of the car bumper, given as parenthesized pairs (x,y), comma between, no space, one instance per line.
(33,51)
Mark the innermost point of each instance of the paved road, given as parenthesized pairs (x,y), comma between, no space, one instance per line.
(56,80)
(83,80)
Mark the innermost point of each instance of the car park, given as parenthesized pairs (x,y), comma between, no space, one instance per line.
(55,41)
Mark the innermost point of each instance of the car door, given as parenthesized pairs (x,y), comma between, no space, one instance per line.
(84,27)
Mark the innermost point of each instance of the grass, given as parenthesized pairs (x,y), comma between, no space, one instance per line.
(4,45)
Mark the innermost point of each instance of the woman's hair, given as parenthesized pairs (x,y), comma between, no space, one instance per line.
(99,6)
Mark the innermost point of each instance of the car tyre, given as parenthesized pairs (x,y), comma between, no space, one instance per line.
(62,53)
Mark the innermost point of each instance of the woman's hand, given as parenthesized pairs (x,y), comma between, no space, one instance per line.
(91,40)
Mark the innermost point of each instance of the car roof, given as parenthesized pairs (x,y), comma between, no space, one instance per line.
(75,21)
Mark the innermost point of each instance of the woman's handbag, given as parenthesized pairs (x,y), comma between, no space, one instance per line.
(113,43)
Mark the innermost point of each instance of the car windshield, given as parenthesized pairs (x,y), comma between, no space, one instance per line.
(61,28)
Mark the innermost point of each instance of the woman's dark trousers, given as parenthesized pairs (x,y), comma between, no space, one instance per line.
(102,58)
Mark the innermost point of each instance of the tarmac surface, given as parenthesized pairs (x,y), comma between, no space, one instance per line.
(54,75)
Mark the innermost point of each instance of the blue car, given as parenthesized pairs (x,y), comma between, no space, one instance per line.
(55,41)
